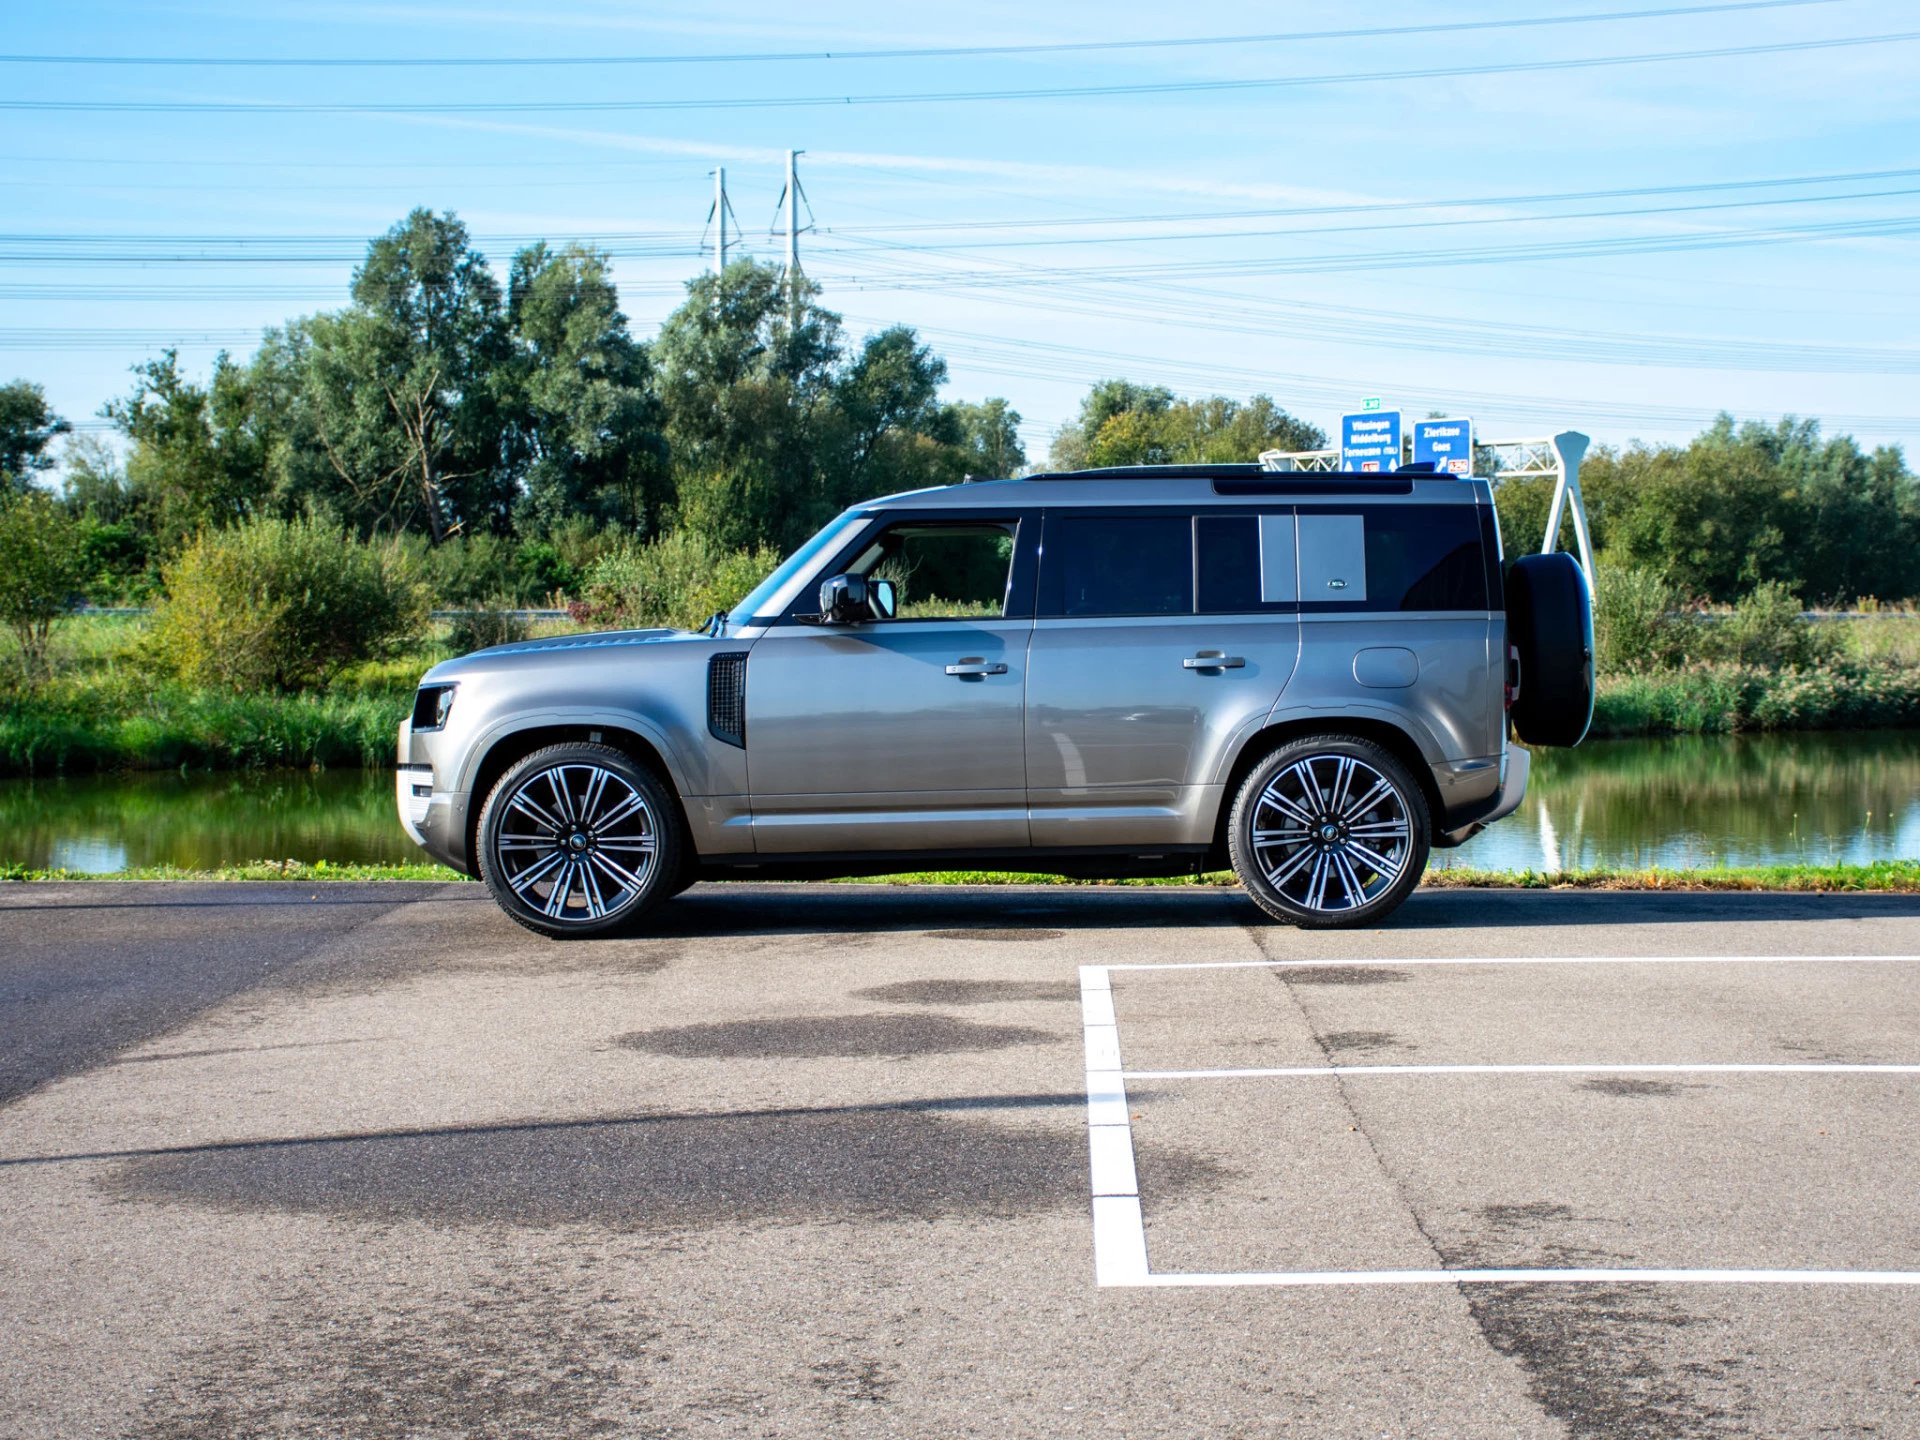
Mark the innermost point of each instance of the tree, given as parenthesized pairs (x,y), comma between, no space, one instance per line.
(590,427)
(193,463)
(94,482)
(406,389)
(989,438)
(42,566)
(745,370)
(27,428)
(889,430)
(1121,423)
(1108,400)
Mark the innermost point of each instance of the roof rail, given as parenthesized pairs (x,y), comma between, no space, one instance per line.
(1150,472)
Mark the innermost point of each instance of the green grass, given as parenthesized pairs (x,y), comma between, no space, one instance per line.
(1890,876)
(296,870)
(1896,876)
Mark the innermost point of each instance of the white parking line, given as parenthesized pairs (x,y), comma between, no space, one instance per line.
(1295,1072)
(1378,963)
(1119,1226)
(1527,1277)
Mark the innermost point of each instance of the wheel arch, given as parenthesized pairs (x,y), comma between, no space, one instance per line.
(1265,741)
(505,751)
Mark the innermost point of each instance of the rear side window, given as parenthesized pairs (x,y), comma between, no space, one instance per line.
(1425,557)
(1117,565)
(1399,557)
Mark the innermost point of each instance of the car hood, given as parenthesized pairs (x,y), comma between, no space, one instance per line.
(523,654)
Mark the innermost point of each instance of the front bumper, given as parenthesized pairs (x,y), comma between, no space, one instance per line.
(435,819)
(413,796)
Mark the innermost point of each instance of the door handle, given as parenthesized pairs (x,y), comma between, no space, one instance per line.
(1214,661)
(977,667)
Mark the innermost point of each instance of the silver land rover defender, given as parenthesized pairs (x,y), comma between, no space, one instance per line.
(1151,671)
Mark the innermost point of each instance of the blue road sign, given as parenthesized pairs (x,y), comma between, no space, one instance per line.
(1448,444)
(1370,441)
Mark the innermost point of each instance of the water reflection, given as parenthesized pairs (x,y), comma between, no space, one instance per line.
(1727,800)
(101,823)
(1766,800)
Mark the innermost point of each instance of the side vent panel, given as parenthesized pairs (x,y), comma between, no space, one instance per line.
(727,697)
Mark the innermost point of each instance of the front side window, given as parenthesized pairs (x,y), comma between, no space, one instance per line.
(1095,565)
(940,570)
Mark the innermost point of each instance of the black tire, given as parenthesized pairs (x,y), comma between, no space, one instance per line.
(1550,624)
(1317,850)
(586,817)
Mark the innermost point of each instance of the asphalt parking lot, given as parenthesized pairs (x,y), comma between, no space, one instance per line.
(840,1160)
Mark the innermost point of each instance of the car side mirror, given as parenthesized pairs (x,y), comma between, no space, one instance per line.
(843,600)
(882,600)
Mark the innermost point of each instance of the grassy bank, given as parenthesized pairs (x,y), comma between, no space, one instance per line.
(109,707)
(1888,876)
(1863,693)
(71,729)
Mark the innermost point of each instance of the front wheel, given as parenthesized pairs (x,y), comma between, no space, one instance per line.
(1329,831)
(579,840)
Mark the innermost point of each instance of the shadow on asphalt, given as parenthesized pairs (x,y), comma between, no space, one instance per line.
(589,1124)
(35,895)
(1017,913)
(1451,909)
(979,912)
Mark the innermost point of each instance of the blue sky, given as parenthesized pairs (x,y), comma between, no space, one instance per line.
(1305,239)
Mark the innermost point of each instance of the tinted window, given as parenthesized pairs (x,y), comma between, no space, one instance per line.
(1425,557)
(1228,552)
(1118,565)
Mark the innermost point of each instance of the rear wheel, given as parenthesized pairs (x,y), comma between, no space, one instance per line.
(579,840)
(1329,831)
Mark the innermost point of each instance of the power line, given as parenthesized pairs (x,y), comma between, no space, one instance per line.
(917,53)
(674,240)
(942,97)
(1636,212)
(1385,207)
(1672,242)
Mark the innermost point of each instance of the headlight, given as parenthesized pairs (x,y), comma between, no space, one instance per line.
(431,705)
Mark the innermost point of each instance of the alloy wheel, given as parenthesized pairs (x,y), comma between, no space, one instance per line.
(576,843)
(1331,833)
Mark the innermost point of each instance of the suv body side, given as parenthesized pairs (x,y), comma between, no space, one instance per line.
(1051,729)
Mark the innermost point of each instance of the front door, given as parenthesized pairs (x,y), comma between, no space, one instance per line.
(901,734)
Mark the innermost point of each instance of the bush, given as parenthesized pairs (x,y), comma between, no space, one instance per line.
(477,629)
(678,580)
(277,605)
(42,566)
(465,569)
(1767,629)
(1637,624)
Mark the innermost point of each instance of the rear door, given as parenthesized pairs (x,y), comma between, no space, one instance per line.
(1159,637)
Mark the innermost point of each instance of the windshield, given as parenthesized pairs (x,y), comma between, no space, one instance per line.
(776,591)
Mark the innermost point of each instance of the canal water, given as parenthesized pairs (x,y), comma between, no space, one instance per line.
(1763,800)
